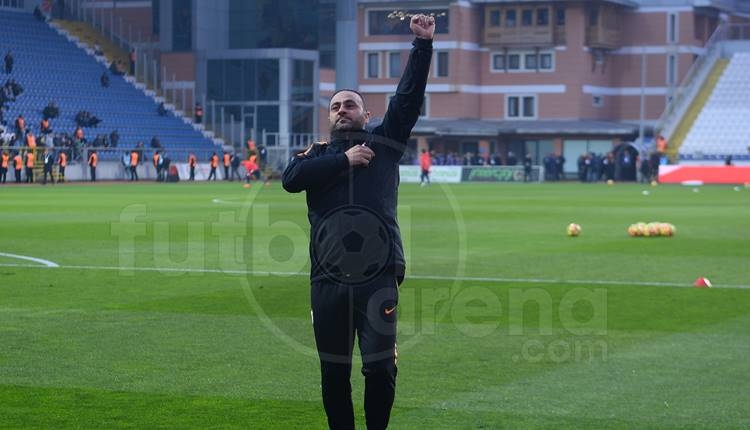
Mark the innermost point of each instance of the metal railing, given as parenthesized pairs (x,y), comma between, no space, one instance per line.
(696,76)
(148,68)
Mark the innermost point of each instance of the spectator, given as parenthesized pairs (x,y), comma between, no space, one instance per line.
(155,142)
(51,111)
(114,68)
(104,79)
(161,109)
(44,126)
(131,57)
(114,138)
(20,126)
(38,14)
(198,113)
(9,62)
(98,50)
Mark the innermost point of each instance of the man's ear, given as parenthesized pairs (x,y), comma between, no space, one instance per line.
(367,116)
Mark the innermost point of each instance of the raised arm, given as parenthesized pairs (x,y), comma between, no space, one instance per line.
(403,109)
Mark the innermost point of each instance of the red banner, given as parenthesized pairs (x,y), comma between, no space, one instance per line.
(705,174)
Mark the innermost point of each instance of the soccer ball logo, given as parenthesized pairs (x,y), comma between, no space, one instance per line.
(352,245)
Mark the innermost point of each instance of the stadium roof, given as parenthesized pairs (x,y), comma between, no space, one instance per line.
(629,3)
(493,128)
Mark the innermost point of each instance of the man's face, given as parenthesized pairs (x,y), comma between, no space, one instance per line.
(347,112)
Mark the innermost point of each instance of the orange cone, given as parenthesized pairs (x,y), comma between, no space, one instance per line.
(702,283)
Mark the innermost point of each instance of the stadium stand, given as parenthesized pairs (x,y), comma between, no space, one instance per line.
(722,127)
(52,68)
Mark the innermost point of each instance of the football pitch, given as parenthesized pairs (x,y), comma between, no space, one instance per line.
(187,306)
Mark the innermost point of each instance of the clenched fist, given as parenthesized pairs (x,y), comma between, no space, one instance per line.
(359,155)
(422,26)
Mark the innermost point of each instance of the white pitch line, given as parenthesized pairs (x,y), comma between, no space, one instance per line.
(416,277)
(46,263)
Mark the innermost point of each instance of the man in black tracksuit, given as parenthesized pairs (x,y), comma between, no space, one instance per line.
(357,259)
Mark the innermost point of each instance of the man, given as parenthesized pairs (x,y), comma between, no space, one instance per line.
(355,177)
(134,159)
(62,163)
(425,163)
(9,62)
(30,160)
(214,164)
(4,166)
(49,162)
(93,159)
(227,162)
(18,166)
(192,161)
(527,163)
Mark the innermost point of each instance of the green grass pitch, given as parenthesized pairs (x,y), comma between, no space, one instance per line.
(180,306)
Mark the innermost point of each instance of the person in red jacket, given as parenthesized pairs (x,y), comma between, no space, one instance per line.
(425,162)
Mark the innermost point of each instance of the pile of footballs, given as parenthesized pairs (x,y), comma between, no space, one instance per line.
(652,229)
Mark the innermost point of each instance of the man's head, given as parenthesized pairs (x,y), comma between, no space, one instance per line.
(346,111)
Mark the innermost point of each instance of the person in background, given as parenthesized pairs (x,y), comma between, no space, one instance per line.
(527,163)
(18,166)
(30,160)
(227,164)
(214,164)
(4,161)
(93,160)
(198,113)
(49,162)
(192,161)
(425,163)
(62,163)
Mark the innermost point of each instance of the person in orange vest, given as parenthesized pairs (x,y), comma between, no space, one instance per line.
(4,166)
(93,159)
(214,165)
(30,140)
(227,163)
(49,161)
(251,169)
(134,165)
(18,164)
(62,162)
(30,160)
(425,162)
(192,161)
(157,165)
(198,113)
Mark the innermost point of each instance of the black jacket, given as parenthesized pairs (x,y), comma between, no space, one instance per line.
(341,199)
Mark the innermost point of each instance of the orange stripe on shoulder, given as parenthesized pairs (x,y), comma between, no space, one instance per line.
(310,148)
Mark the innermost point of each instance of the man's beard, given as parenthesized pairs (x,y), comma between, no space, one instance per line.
(349,125)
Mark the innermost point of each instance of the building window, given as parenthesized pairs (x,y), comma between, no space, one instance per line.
(498,62)
(512,107)
(526,17)
(545,61)
(373,65)
(671,69)
(597,100)
(594,15)
(379,24)
(672,27)
(514,62)
(521,107)
(394,64)
(560,16)
(510,18)
(441,67)
(542,17)
(522,61)
(495,18)
(530,62)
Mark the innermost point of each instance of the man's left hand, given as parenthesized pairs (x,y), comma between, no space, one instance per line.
(422,26)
